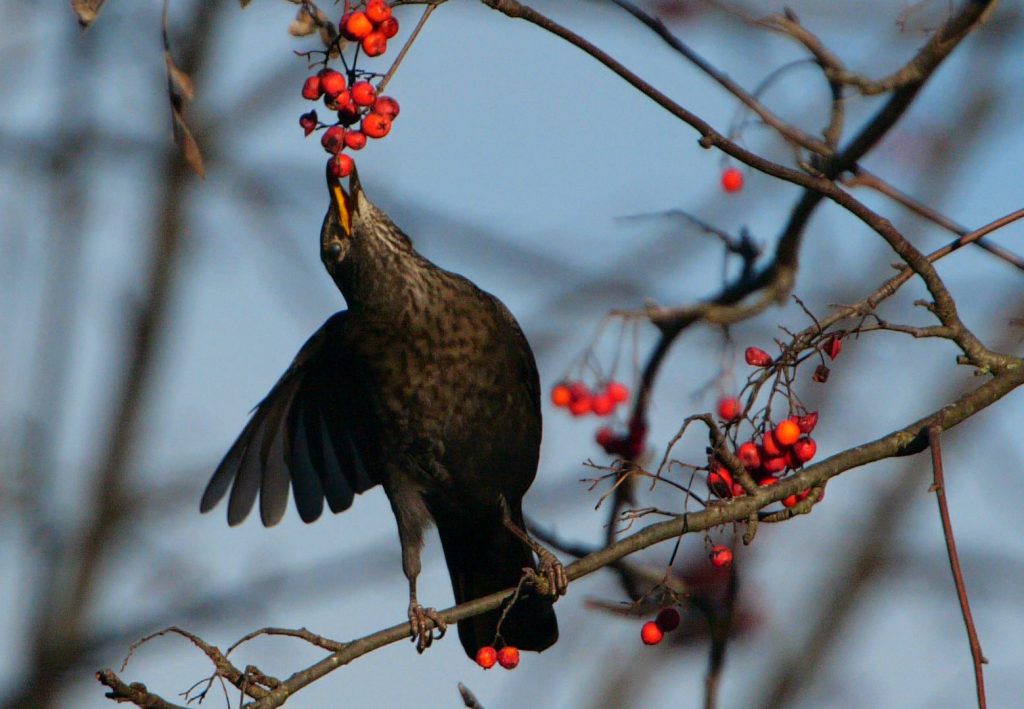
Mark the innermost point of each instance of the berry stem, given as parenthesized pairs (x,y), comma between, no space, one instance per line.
(405,47)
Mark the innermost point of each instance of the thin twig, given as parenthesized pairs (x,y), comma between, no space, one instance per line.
(939,488)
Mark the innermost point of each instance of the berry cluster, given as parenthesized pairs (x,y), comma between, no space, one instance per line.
(507,657)
(786,447)
(352,98)
(653,631)
(581,400)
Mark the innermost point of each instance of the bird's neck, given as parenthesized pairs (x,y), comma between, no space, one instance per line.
(385,279)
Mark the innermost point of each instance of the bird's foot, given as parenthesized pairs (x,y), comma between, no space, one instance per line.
(550,578)
(420,627)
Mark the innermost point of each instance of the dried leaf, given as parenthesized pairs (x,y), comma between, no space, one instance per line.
(87,10)
(179,91)
(189,147)
(303,25)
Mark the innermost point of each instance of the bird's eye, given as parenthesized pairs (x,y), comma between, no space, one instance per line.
(334,250)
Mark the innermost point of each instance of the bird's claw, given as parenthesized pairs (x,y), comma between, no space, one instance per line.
(550,578)
(420,627)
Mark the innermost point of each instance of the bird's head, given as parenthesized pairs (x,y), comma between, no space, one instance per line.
(354,228)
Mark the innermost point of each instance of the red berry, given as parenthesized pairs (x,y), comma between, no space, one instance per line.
(355,140)
(389,27)
(348,113)
(749,455)
(363,93)
(486,657)
(668,619)
(732,180)
(792,461)
(311,88)
(756,357)
(386,106)
(804,449)
(308,121)
(602,405)
(581,406)
(333,139)
(720,482)
(356,25)
(789,501)
(651,634)
(786,433)
(774,464)
(728,408)
(331,82)
(340,165)
(376,125)
(833,346)
(768,481)
(605,438)
(721,556)
(377,11)
(770,446)
(560,395)
(807,422)
(579,390)
(737,490)
(618,391)
(375,44)
(508,657)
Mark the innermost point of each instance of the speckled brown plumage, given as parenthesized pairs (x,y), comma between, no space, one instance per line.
(425,385)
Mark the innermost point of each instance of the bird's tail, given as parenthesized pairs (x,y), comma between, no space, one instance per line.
(483,558)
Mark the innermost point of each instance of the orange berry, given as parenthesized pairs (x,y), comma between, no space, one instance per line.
(340,165)
(721,556)
(389,27)
(348,113)
(363,93)
(728,408)
(356,25)
(332,82)
(376,125)
(651,634)
(508,657)
(786,433)
(560,395)
(668,619)
(789,501)
(375,44)
(732,180)
(377,11)
(311,88)
(486,657)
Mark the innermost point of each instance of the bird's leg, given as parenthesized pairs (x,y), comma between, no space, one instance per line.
(410,513)
(549,567)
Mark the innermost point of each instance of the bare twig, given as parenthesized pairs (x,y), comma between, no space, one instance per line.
(939,488)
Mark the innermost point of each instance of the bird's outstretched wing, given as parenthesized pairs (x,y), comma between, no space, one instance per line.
(306,433)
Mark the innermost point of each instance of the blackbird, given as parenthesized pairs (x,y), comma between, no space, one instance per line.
(427,386)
